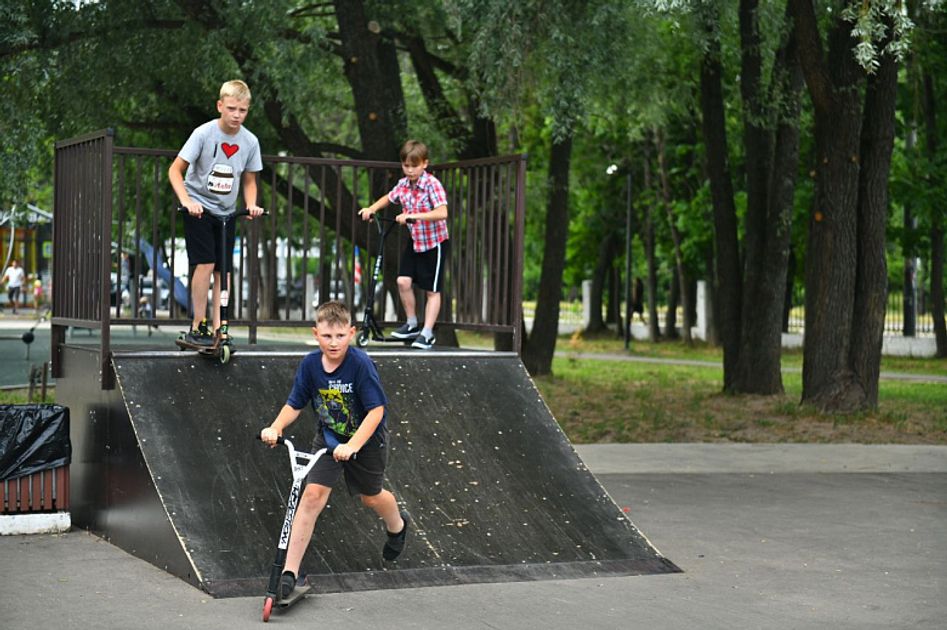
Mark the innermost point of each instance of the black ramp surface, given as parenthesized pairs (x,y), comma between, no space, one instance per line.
(495,489)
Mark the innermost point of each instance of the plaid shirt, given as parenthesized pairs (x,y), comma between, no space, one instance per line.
(426,195)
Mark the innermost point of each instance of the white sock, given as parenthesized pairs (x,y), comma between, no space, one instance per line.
(413,322)
(427,333)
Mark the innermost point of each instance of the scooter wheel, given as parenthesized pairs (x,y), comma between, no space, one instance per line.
(224,354)
(362,339)
(267,608)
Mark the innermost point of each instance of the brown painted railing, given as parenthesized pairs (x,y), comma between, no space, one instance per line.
(44,491)
(115,201)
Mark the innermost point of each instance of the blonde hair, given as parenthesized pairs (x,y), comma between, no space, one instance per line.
(413,152)
(236,89)
(333,313)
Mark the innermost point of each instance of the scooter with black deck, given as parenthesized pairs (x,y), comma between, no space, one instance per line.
(222,347)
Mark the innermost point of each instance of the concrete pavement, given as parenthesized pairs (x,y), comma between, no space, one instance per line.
(768,536)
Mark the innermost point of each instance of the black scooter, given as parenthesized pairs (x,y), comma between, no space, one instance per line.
(222,347)
(371,329)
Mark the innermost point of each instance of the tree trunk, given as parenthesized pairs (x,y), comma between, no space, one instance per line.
(772,162)
(670,316)
(871,287)
(834,265)
(541,344)
(937,222)
(728,280)
(654,332)
(601,276)
(681,275)
(370,64)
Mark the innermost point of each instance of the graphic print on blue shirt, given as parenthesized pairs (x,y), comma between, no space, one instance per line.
(342,398)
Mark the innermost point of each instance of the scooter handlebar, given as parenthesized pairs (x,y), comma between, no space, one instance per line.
(281,441)
(239,213)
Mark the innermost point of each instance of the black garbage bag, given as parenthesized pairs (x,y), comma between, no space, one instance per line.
(33,438)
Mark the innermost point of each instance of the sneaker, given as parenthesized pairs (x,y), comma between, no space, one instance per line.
(395,543)
(423,343)
(200,336)
(405,331)
(287,583)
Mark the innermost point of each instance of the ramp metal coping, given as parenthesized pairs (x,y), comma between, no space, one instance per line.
(299,353)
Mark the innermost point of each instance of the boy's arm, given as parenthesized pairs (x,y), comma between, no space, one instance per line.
(364,432)
(437,214)
(366,213)
(176,176)
(286,417)
(249,193)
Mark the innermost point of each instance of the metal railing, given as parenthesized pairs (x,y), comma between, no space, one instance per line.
(894,315)
(114,203)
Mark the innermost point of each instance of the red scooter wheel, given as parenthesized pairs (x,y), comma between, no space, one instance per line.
(267,608)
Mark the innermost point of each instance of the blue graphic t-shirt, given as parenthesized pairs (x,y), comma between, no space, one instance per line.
(341,399)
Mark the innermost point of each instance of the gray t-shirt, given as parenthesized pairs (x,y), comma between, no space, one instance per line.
(216,162)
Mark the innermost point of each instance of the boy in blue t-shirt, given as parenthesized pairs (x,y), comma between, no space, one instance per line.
(346,394)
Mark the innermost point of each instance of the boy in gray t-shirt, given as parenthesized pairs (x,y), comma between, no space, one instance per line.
(219,156)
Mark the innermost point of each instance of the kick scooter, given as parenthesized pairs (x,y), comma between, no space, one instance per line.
(301,464)
(371,329)
(222,347)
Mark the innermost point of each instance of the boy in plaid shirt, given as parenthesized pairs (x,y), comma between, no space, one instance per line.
(424,261)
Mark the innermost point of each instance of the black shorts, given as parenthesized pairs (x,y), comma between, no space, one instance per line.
(364,474)
(13,294)
(427,269)
(202,239)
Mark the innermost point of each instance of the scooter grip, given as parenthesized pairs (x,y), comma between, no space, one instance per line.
(279,439)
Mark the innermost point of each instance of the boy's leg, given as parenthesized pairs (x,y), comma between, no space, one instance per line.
(432,308)
(406,293)
(385,505)
(200,283)
(311,504)
(396,522)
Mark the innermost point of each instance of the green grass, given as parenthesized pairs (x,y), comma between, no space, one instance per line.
(599,400)
(21,396)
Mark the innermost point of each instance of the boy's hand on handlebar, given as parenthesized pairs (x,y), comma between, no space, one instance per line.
(254,211)
(343,453)
(366,214)
(402,218)
(194,208)
(268,436)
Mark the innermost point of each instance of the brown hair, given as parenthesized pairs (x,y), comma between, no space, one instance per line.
(413,152)
(333,313)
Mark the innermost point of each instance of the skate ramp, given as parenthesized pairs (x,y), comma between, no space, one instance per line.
(496,491)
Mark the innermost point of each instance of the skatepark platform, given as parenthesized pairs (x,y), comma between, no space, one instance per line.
(167,467)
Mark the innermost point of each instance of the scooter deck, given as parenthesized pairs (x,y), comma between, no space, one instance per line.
(209,350)
(193,346)
(298,593)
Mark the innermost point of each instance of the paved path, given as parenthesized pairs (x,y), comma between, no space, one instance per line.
(768,536)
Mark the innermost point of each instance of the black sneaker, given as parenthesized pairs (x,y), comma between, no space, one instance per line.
(196,338)
(200,336)
(287,583)
(405,331)
(395,543)
(423,343)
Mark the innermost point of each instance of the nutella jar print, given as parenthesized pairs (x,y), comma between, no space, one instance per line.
(220,180)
